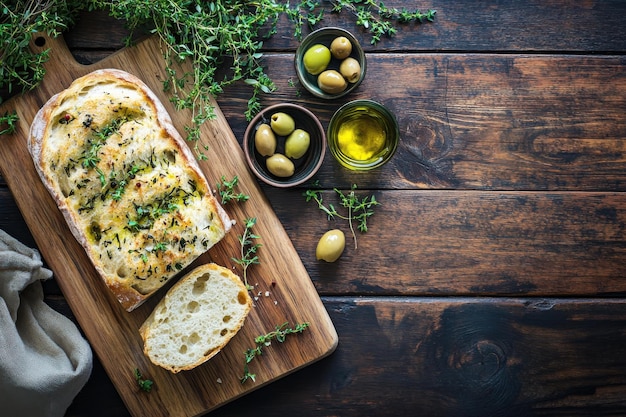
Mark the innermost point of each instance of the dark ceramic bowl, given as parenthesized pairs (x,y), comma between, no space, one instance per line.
(305,166)
(325,36)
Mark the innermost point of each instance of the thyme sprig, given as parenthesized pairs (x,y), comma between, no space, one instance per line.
(226,190)
(378,18)
(359,208)
(8,122)
(248,250)
(279,334)
(144,384)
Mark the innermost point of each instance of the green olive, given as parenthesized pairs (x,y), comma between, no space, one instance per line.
(279,165)
(282,124)
(297,144)
(316,59)
(331,82)
(330,246)
(265,140)
(340,47)
(350,69)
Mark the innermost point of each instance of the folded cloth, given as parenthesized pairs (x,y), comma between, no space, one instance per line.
(44,359)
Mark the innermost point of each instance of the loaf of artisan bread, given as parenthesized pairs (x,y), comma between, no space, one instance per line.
(197,317)
(128,185)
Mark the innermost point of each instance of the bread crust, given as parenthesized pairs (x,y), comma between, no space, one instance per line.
(105,148)
(150,330)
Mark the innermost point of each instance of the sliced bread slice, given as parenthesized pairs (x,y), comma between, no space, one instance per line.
(197,317)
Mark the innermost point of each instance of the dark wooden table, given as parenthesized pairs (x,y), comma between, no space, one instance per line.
(492,280)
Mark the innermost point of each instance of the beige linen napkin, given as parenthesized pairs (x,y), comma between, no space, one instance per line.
(44,359)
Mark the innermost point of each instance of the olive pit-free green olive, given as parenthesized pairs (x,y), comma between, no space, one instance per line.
(282,124)
(350,69)
(330,246)
(340,47)
(297,144)
(279,165)
(316,59)
(265,140)
(331,82)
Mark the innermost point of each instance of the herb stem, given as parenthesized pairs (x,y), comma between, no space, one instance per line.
(248,250)
(359,209)
(279,334)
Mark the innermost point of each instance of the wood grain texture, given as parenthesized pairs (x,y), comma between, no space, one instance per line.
(481,122)
(452,357)
(460,357)
(469,243)
(491,281)
(460,25)
(485,122)
(112,332)
(464,243)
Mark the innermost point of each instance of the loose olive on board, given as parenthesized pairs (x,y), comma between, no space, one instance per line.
(279,165)
(316,59)
(297,144)
(331,82)
(282,124)
(340,47)
(265,140)
(350,69)
(330,246)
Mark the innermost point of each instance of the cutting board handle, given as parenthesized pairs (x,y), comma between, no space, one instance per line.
(59,54)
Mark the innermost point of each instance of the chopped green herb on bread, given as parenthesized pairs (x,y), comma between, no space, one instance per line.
(128,185)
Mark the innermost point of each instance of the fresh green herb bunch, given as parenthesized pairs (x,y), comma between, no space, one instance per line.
(279,334)
(207,34)
(21,69)
(8,122)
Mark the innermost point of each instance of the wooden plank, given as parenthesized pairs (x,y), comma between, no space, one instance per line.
(462,357)
(460,25)
(468,243)
(112,332)
(434,356)
(463,243)
(486,122)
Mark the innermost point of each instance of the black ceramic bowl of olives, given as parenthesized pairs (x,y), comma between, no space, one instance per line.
(284,145)
(330,62)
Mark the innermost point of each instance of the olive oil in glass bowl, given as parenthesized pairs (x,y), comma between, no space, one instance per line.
(363,135)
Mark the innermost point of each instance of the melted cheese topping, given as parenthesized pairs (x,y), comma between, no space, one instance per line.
(140,206)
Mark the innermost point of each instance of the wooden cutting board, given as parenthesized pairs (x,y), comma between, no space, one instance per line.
(283,289)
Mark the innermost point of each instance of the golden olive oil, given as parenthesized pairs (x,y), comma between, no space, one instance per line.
(363,135)
(361,138)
